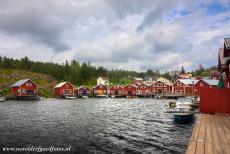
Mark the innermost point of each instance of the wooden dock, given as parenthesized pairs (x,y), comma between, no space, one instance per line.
(211,135)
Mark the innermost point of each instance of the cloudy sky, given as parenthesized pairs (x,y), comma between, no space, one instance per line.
(120,34)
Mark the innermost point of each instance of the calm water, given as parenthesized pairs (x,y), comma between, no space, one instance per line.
(93,126)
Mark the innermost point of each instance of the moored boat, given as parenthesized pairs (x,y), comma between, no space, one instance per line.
(85,96)
(2,98)
(183,115)
(69,97)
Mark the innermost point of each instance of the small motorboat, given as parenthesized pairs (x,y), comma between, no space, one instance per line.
(113,96)
(85,96)
(70,97)
(2,98)
(183,114)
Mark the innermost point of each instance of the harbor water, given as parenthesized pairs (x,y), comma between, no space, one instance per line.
(93,125)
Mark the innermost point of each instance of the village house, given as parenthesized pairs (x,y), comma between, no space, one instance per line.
(103,81)
(184,86)
(204,83)
(143,90)
(64,89)
(138,80)
(25,87)
(215,75)
(82,91)
(100,90)
(185,76)
(224,62)
(117,90)
(161,86)
(130,90)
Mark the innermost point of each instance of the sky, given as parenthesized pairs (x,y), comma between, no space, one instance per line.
(117,34)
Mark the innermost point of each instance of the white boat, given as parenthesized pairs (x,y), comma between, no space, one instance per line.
(113,96)
(186,104)
(85,96)
(2,99)
(69,97)
(183,114)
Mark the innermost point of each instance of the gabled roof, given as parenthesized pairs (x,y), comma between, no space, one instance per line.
(62,84)
(164,80)
(131,85)
(212,82)
(21,82)
(188,81)
(99,85)
(227,42)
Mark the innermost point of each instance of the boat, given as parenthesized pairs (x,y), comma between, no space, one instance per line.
(183,114)
(2,98)
(69,97)
(113,96)
(102,96)
(85,96)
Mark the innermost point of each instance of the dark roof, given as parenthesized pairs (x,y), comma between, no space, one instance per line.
(227,42)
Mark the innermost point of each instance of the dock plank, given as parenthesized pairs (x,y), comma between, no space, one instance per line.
(201,136)
(211,135)
(208,136)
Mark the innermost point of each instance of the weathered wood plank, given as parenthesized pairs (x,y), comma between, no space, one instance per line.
(193,140)
(201,136)
(217,147)
(208,135)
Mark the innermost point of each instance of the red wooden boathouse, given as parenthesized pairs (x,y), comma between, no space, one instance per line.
(204,83)
(83,91)
(160,87)
(117,90)
(100,90)
(130,90)
(25,87)
(144,90)
(184,86)
(64,89)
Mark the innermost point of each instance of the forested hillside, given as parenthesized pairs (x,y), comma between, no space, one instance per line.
(86,74)
(9,76)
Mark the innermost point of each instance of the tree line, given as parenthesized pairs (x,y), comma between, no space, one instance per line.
(86,74)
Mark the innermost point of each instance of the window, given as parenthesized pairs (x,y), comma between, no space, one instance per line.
(165,85)
(178,91)
(201,84)
(28,84)
(104,91)
(129,86)
(179,84)
(226,53)
(159,85)
(24,91)
(165,89)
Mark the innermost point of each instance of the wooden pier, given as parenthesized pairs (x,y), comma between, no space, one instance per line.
(211,135)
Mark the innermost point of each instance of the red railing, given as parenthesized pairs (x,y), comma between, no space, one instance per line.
(215,100)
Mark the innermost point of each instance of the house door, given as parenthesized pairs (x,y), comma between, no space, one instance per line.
(129,93)
(116,92)
(66,91)
(159,91)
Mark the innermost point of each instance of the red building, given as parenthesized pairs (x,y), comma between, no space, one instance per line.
(117,90)
(215,75)
(82,91)
(130,90)
(184,86)
(160,87)
(144,90)
(204,83)
(100,90)
(25,87)
(224,62)
(64,89)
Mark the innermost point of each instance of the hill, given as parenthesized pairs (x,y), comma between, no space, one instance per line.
(10,76)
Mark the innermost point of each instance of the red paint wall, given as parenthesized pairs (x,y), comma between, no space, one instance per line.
(130,88)
(143,89)
(164,88)
(100,89)
(215,100)
(120,90)
(60,91)
(17,91)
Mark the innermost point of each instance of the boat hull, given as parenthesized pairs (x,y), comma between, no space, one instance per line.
(183,118)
